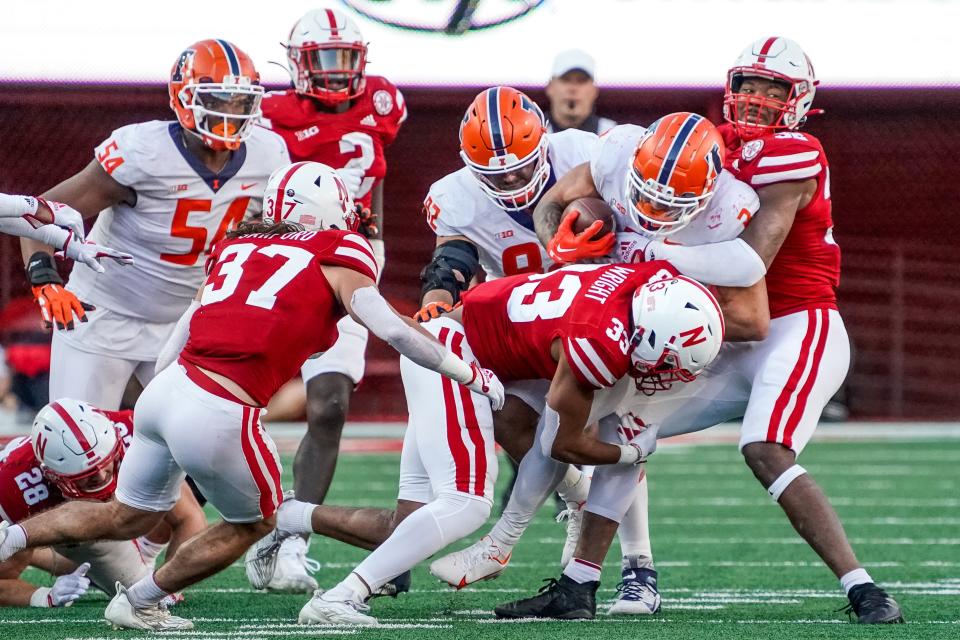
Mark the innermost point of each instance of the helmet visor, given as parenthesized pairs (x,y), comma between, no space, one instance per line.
(332,68)
(658,210)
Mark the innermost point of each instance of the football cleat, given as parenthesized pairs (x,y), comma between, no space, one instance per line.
(171,600)
(637,594)
(320,609)
(400,584)
(574,517)
(562,599)
(261,559)
(293,573)
(483,560)
(122,615)
(4,525)
(872,605)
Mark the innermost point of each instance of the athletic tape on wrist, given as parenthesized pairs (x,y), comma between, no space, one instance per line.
(778,486)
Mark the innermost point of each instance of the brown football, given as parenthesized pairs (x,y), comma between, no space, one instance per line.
(591,209)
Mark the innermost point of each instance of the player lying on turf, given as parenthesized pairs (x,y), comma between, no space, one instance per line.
(663,180)
(61,227)
(273,296)
(590,333)
(74,453)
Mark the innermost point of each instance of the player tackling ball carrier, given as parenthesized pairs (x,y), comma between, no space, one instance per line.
(273,295)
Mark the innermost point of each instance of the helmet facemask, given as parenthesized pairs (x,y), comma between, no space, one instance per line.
(744,110)
(224,113)
(331,73)
(512,184)
(651,377)
(84,485)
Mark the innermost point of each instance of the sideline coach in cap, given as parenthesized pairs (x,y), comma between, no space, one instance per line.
(572,93)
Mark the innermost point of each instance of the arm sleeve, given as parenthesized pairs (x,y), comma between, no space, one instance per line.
(17,206)
(374,312)
(732,263)
(50,234)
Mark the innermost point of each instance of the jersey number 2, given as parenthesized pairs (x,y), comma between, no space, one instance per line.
(296,260)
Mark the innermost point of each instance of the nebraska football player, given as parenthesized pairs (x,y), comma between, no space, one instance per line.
(166,192)
(273,296)
(593,331)
(340,116)
(74,453)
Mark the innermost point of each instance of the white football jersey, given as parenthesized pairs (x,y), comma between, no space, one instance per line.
(507,243)
(726,216)
(181,210)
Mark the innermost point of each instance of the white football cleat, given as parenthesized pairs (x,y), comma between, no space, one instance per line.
(483,560)
(321,610)
(122,615)
(573,514)
(294,568)
(4,525)
(261,560)
(637,594)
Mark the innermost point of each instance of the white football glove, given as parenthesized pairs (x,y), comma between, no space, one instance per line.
(90,254)
(487,383)
(634,433)
(67,217)
(70,587)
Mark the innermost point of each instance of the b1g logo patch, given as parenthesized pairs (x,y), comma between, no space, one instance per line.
(751,149)
(383,102)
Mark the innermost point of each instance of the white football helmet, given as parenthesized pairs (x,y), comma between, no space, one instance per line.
(310,194)
(327,56)
(78,448)
(678,330)
(774,59)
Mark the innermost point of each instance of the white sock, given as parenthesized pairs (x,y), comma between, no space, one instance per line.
(857,576)
(421,534)
(149,549)
(352,588)
(581,571)
(295,517)
(634,531)
(15,542)
(145,593)
(574,487)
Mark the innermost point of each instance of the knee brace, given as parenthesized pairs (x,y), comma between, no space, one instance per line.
(778,486)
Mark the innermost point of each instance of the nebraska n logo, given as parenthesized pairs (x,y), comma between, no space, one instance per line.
(693,336)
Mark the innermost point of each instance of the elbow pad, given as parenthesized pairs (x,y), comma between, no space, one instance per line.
(732,263)
(453,266)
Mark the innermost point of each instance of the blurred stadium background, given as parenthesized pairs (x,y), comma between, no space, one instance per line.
(72,74)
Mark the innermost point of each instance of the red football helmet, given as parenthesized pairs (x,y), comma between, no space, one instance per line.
(215,91)
(772,59)
(504,143)
(327,57)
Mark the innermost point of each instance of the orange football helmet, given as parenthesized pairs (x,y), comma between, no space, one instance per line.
(674,172)
(215,91)
(503,141)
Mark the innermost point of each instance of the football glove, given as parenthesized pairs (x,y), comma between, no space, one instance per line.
(91,254)
(368,222)
(634,433)
(487,383)
(568,246)
(66,217)
(432,311)
(70,587)
(57,305)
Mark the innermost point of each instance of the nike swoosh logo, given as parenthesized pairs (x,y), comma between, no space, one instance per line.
(562,250)
(244,187)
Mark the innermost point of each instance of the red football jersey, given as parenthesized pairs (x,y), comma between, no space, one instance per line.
(511,322)
(806,270)
(24,491)
(356,137)
(266,306)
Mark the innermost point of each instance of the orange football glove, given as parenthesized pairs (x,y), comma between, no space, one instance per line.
(368,222)
(432,310)
(568,246)
(57,305)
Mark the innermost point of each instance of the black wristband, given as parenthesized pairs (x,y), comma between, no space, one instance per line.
(42,269)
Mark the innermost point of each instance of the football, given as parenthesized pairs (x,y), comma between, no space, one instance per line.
(591,209)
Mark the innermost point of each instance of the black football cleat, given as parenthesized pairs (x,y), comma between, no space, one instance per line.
(872,605)
(562,599)
(392,589)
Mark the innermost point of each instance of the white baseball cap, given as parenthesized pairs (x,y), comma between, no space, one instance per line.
(573,59)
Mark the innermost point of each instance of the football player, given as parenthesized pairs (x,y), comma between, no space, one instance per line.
(341,116)
(779,386)
(167,192)
(694,202)
(274,294)
(74,453)
(592,331)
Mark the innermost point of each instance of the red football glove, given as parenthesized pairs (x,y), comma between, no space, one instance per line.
(568,246)
(431,311)
(57,305)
